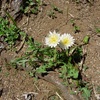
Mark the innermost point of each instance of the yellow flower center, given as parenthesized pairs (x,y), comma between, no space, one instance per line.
(66,41)
(53,39)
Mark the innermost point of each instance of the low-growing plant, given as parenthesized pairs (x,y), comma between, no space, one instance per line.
(31,6)
(51,14)
(60,53)
(76,28)
(54,9)
(98,30)
(10,32)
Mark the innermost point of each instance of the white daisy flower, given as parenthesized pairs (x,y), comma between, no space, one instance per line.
(66,41)
(52,39)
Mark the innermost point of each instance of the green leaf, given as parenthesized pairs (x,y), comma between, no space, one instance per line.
(41,69)
(38,1)
(76,29)
(23,34)
(31,74)
(63,71)
(31,3)
(86,39)
(34,11)
(20,61)
(86,93)
(73,73)
(26,9)
(97,30)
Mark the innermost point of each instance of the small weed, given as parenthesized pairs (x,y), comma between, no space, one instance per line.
(98,30)
(57,9)
(52,13)
(10,32)
(76,28)
(31,6)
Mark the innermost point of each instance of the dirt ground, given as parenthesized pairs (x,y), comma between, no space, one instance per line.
(16,83)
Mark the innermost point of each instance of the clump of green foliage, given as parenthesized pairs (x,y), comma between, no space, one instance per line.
(9,31)
(31,6)
(43,59)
